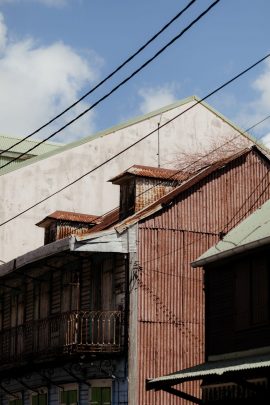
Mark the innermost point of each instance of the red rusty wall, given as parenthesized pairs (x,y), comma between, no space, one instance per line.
(170,292)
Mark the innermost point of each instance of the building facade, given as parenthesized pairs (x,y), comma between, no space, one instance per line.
(236,367)
(89,317)
(95,159)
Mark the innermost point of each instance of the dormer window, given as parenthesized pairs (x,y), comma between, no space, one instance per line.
(61,224)
(142,185)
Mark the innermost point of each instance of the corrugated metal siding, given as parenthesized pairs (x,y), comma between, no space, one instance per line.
(149,190)
(66,229)
(170,293)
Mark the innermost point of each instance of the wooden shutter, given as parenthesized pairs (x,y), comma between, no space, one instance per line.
(69,397)
(100,396)
(39,399)
(107,287)
(260,288)
(242,295)
(56,292)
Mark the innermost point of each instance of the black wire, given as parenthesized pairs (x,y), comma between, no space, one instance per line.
(176,172)
(118,86)
(135,143)
(106,78)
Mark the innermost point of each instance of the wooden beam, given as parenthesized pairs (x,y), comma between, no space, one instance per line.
(181,394)
(250,386)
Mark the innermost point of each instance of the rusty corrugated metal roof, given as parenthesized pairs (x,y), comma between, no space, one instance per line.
(69,216)
(112,218)
(152,172)
(190,182)
(106,221)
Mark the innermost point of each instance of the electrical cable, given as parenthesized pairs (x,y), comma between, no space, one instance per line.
(200,158)
(130,58)
(217,231)
(134,143)
(117,86)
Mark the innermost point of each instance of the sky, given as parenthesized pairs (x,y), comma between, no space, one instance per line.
(54,51)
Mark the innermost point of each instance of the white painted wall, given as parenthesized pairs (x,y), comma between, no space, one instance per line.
(93,194)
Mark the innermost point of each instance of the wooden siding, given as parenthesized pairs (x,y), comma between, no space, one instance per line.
(41,305)
(170,293)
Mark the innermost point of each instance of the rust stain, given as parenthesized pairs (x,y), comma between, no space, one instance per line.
(151,172)
(70,216)
(170,292)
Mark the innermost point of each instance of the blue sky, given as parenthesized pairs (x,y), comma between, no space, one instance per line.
(52,51)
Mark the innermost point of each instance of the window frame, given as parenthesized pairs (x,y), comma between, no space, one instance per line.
(99,383)
(66,388)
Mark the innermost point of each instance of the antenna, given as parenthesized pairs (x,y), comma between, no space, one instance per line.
(158,153)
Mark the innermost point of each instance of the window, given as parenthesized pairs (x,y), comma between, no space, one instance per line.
(69,396)
(70,290)
(251,293)
(100,392)
(39,399)
(100,396)
(15,401)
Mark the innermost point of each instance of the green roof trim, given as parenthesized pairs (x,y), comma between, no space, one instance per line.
(254,231)
(125,125)
(7,141)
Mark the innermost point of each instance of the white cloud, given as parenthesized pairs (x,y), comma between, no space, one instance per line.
(37,82)
(156,97)
(259,108)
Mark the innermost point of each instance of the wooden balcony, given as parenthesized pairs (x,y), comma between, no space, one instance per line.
(76,332)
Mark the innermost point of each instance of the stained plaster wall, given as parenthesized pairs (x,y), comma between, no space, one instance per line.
(93,194)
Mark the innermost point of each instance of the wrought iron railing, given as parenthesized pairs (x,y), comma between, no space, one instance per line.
(94,330)
(79,331)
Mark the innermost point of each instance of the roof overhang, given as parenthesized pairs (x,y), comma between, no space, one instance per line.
(102,242)
(224,370)
(231,252)
(105,241)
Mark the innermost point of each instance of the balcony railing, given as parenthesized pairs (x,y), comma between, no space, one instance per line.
(80,331)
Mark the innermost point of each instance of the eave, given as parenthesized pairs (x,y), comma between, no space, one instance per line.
(102,242)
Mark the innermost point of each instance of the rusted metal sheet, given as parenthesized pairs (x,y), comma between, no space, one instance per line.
(70,216)
(106,221)
(149,190)
(142,185)
(214,170)
(150,172)
(65,229)
(60,224)
(170,292)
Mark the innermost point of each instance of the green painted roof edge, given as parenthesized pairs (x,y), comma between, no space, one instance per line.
(36,140)
(250,233)
(126,124)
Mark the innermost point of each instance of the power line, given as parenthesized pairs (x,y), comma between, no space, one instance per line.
(207,155)
(119,85)
(217,231)
(135,143)
(129,59)
(202,157)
